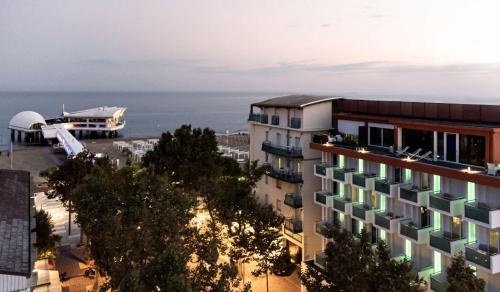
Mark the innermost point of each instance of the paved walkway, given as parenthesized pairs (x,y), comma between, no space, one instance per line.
(60,219)
(72,261)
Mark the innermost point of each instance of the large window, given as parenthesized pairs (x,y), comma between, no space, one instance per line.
(418,139)
(472,150)
(381,137)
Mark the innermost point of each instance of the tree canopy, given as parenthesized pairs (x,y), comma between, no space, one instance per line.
(461,277)
(46,240)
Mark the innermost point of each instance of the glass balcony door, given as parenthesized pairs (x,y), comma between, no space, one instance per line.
(451,142)
(494,241)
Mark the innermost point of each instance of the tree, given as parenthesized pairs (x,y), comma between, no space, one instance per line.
(461,277)
(389,274)
(46,240)
(137,226)
(352,265)
(63,179)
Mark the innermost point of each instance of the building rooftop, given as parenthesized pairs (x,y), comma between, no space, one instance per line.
(293,101)
(26,121)
(15,222)
(98,112)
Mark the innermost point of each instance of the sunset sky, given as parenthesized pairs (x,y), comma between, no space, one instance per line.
(438,48)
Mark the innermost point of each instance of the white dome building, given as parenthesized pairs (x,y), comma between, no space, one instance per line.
(28,125)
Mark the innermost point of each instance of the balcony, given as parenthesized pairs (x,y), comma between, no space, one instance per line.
(447,204)
(324,198)
(387,221)
(285,175)
(414,195)
(293,225)
(425,273)
(285,151)
(258,118)
(446,242)
(482,214)
(342,204)
(386,188)
(363,212)
(322,228)
(295,123)
(414,232)
(439,282)
(324,170)
(484,256)
(293,200)
(343,175)
(364,181)
(320,260)
(275,120)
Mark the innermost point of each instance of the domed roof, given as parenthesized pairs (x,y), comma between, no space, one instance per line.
(27,120)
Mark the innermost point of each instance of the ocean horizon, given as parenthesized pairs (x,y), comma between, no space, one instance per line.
(148,113)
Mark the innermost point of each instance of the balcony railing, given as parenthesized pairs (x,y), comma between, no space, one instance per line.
(286,151)
(259,118)
(293,225)
(320,260)
(483,255)
(275,120)
(411,230)
(414,195)
(324,170)
(293,200)
(482,214)
(323,228)
(448,204)
(364,180)
(285,175)
(386,187)
(324,198)
(342,204)
(343,174)
(439,283)
(295,123)
(446,241)
(387,221)
(363,212)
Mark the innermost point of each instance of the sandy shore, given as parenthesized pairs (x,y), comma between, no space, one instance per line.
(38,158)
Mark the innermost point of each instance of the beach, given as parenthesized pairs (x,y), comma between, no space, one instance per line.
(38,158)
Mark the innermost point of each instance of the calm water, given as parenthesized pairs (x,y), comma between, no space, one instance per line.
(148,114)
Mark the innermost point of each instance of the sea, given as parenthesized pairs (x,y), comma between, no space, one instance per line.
(148,113)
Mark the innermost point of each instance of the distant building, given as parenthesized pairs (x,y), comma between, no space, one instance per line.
(26,127)
(17,236)
(280,132)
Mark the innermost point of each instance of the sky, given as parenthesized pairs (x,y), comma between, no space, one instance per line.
(437,48)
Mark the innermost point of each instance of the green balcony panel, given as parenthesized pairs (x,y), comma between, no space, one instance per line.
(323,197)
(439,283)
(383,186)
(446,241)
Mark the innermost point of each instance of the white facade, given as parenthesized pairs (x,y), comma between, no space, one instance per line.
(283,142)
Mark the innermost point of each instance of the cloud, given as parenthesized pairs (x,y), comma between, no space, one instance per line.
(368,67)
(326,25)
(144,63)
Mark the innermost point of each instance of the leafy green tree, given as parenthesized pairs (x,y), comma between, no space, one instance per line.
(352,265)
(137,225)
(46,240)
(461,277)
(63,179)
(389,274)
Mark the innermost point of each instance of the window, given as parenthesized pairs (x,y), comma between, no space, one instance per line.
(278,205)
(388,137)
(278,139)
(418,139)
(472,150)
(440,145)
(297,142)
(375,136)
(381,137)
(267,135)
(267,157)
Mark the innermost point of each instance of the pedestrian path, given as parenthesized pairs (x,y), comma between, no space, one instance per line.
(60,218)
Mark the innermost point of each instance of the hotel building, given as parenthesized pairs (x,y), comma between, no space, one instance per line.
(280,133)
(423,177)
